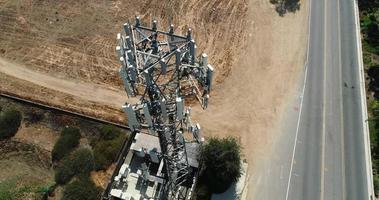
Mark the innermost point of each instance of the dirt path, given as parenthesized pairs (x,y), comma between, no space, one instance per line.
(87,91)
(250,101)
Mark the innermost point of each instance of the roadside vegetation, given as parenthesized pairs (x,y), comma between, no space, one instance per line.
(221,166)
(369,15)
(284,6)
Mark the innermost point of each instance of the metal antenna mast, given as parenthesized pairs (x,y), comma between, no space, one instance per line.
(161,68)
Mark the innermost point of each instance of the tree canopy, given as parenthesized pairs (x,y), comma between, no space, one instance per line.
(82,188)
(68,140)
(10,121)
(80,162)
(221,161)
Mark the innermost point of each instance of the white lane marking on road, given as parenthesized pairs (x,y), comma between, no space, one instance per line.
(323,107)
(301,101)
(370,186)
(341,103)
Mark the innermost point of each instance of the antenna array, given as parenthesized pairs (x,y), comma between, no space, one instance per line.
(161,69)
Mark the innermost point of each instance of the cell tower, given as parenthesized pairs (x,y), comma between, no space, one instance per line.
(161,69)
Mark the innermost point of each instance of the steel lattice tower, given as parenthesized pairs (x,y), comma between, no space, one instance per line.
(161,69)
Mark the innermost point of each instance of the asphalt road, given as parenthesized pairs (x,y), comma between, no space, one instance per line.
(329,157)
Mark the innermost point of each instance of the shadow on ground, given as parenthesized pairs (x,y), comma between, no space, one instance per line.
(285,6)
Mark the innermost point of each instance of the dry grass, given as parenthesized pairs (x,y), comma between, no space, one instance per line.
(76,39)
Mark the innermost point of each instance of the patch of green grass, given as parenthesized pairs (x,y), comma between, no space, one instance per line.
(14,189)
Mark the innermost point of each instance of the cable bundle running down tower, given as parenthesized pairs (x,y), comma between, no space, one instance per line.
(161,69)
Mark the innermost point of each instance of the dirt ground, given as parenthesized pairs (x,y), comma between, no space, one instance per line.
(257,55)
(75,41)
(249,103)
(25,170)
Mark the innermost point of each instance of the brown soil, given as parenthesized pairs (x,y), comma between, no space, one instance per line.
(28,165)
(37,134)
(257,55)
(101,178)
(67,47)
(249,103)
(76,39)
(45,95)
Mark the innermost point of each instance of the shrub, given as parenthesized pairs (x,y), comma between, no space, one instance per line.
(34,115)
(68,140)
(83,189)
(376,184)
(10,122)
(64,172)
(80,162)
(83,161)
(370,29)
(108,132)
(222,163)
(106,151)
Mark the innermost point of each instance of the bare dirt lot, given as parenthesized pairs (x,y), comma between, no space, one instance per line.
(75,41)
(257,55)
(249,103)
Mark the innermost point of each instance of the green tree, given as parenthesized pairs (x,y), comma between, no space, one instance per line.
(10,122)
(68,140)
(80,162)
(108,132)
(82,188)
(284,6)
(106,151)
(83,161)
(368,5)
(376,184)
(64,172)
(370,29)
(221,161)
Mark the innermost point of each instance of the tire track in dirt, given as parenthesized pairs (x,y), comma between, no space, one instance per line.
(87,91)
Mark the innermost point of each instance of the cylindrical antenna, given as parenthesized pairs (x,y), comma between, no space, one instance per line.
(138,21)
(155,25)
(127,29)
(171,30)
(189,34)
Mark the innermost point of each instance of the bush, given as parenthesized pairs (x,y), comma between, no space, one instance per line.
(83,161)
(108,132)
(64,172)
(83,189)
(10,122)
(221,163)
(106,151)
(80,162)
(370,29)
(68,140)
(34,115)
(376,184)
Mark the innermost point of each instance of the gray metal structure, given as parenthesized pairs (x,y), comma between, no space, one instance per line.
(161,69)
